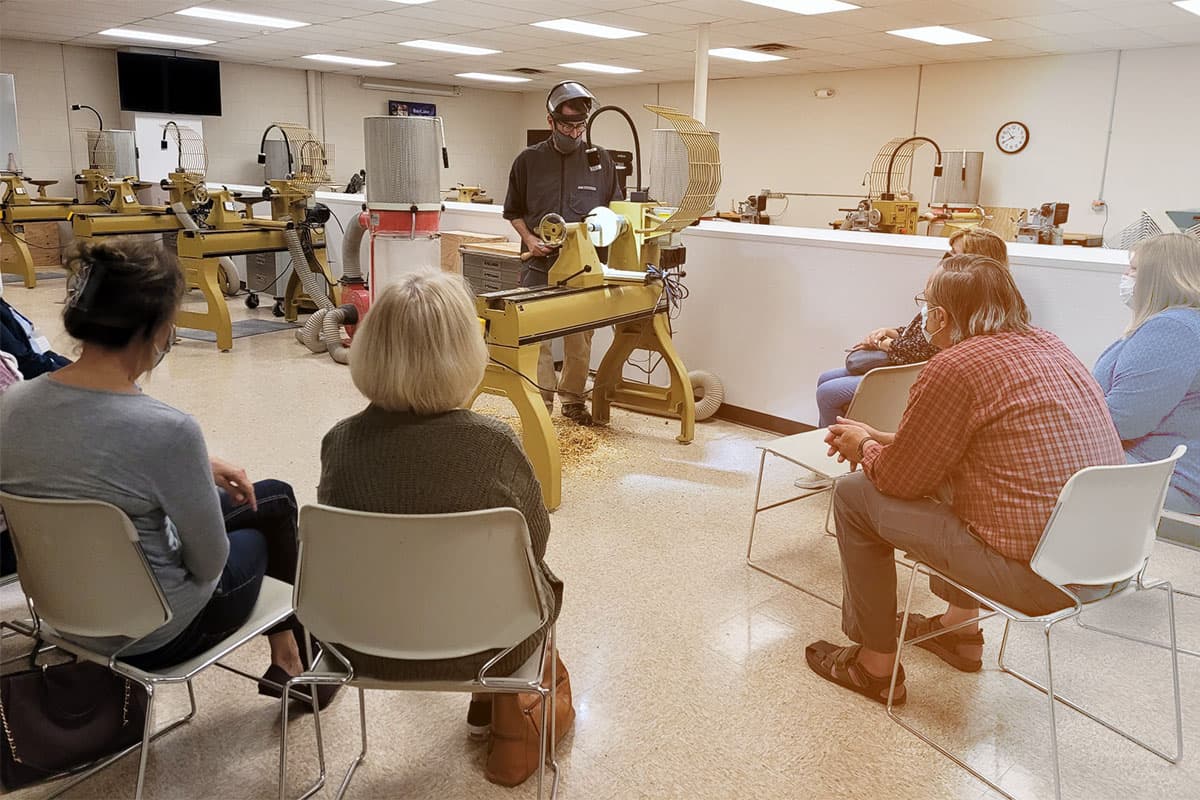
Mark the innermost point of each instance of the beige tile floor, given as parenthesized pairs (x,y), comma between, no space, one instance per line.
(688,667)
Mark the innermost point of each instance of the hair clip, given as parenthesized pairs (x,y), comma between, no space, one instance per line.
(86,285)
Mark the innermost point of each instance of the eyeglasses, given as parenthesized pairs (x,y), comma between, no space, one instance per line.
(570,127)
(920,299)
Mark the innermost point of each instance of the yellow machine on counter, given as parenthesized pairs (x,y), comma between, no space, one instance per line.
(583,293)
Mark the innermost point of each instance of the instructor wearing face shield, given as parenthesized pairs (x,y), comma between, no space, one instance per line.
(553,177)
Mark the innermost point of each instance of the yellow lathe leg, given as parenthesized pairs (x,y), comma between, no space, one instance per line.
(538,436)
(201,273)
(610,386)
(22,263)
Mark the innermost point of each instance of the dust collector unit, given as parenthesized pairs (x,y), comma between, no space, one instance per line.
(402,163)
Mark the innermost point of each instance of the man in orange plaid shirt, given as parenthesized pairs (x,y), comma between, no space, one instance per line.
(996,424)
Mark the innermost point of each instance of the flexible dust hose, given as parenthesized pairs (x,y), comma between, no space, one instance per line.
(331,331)
(708,391)
(351,244)
(314,287)
(232,276)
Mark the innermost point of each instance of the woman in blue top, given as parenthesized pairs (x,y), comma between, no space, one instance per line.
(1151,376)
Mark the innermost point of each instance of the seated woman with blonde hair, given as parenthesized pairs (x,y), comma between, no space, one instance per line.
(1151,375)
(418,357)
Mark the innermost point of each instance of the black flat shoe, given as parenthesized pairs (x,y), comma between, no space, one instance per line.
(273,680)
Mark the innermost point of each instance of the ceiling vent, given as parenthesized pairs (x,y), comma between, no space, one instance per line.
(529,71)
(775,48)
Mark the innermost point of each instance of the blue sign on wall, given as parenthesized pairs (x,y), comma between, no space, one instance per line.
(403,108)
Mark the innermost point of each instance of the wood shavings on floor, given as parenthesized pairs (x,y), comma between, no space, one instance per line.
(581,449)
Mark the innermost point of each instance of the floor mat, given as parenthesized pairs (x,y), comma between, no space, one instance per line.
(241,329)
(41,276)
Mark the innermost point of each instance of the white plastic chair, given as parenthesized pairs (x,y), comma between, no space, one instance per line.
(879,401)
(420,587)
(84,574)
(1100,533)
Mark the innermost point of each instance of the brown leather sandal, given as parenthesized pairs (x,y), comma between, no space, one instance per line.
(947,645)
(840,665)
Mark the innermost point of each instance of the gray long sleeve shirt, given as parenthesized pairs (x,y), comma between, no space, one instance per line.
(133,451)
(544,181)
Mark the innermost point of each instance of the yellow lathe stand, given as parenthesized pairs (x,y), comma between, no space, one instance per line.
(580,298)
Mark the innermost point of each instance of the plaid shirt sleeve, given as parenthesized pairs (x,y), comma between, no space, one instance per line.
(933,436)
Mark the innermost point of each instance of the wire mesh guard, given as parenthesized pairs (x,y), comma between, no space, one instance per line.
(901,172)
(704,169)
(1147,224)
(192,155)
(113,152)
(312,159)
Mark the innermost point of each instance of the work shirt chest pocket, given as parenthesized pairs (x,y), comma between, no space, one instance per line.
(584,198)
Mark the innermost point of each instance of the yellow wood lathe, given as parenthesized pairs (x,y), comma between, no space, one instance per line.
(584,293)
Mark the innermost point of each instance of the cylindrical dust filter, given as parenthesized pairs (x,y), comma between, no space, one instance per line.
(403,163)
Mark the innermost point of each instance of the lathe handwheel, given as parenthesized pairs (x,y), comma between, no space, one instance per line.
(200,194)
(552,229)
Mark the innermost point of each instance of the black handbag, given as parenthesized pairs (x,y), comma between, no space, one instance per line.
(62,717)
(860,362)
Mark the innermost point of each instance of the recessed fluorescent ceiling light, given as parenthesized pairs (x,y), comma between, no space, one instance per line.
(1189,5)
(806,6)
(587,28)
(743,55)
(146,36)
(448,47)
(244,19)
(487,76)
(354,62)
(939,34)
(588,66)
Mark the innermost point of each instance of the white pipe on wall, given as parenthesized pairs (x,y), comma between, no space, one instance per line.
(316,121)
(700,87)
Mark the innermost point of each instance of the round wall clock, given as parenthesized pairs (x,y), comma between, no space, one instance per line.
(1012,137)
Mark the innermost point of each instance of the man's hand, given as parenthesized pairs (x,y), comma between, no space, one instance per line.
(844,441)
(882,437)
(874,340)
(233,480)
(537,247)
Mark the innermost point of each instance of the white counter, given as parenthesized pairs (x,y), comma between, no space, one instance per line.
(771,307)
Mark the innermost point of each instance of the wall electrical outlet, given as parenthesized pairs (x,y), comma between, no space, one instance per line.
(1099,206)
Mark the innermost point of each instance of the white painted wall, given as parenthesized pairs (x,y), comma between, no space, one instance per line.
(776,134)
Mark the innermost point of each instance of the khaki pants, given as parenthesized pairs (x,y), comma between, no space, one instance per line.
(871,527)
(577,359)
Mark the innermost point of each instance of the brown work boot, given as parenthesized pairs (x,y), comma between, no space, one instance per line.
(577,413)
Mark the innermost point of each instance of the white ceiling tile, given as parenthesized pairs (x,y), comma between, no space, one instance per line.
(1059,43)
(1070,22)
(1145,16)
(1011,9)
(1178,34)
(1001,29)
(1126,39)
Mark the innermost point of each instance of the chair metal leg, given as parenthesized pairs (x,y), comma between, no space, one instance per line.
(362,724)
(829,531)
(1053,725)
(1129,637)
(750,545)
(553,638)
(1174,759)
(891,712)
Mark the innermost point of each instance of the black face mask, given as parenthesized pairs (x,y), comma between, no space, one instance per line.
(565,144)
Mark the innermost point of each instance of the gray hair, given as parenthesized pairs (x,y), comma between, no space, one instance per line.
(1168,276)
(420,348)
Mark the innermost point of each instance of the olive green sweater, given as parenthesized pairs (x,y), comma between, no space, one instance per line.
(402,463)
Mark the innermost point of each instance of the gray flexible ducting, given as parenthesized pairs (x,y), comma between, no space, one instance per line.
(231,270)
(351,244)
(708,390)
(331,333)
(314,287)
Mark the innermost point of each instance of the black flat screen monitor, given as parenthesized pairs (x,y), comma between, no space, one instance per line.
(169,85)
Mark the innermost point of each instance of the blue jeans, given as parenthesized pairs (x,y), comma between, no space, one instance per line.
(835,389)
(261,542)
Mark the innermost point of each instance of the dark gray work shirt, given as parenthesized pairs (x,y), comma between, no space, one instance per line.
(544,181)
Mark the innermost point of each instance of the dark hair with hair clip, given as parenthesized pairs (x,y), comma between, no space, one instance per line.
(125,288)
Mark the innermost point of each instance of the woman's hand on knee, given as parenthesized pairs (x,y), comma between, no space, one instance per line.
(233,479)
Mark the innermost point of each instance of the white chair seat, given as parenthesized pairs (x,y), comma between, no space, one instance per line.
(273,606)
(809,450)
